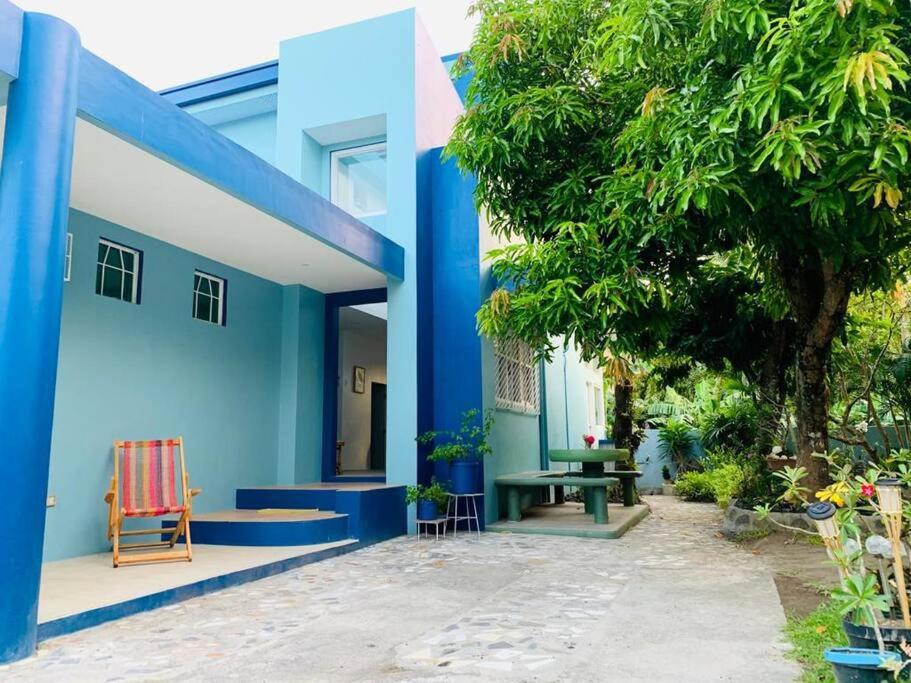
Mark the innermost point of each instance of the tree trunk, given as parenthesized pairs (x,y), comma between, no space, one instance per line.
(622,430)
(818,296)
(773,385)
(812,412)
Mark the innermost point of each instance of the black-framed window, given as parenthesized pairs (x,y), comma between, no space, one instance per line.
(209,298)
(118,272)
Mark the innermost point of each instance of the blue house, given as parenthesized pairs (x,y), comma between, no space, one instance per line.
(277,264)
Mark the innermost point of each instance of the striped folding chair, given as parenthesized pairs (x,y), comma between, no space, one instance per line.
(145,484)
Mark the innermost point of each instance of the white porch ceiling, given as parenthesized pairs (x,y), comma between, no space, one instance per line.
(127,185)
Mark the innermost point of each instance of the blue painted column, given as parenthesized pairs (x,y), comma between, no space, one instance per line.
(456,291)
(34,205)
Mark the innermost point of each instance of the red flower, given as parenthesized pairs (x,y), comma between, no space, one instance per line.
(867,490)
(588,439)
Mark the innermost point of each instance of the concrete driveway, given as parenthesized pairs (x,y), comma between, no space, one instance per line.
(668,602)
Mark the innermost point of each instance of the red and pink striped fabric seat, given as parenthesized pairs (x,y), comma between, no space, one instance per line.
(148,478)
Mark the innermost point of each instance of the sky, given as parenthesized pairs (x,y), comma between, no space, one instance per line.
(170,42)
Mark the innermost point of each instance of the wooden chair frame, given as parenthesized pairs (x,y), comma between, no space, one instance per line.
(116,517)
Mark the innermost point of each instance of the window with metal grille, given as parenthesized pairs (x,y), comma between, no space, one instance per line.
(118,271)
(209,298)
(517,377)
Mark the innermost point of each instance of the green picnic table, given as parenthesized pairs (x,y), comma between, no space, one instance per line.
(593,480)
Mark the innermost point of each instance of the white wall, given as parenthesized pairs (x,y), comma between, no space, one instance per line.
(363,345)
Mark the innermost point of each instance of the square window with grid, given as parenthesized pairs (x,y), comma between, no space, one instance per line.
(517,377)
(209,298)
(118,271)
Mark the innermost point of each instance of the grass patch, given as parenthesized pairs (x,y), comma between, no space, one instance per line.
(810,637)
(751,535)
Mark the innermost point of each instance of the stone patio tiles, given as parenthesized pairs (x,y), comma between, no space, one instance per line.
(669,601)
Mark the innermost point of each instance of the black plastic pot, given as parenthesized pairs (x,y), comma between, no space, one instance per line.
(859,665)
(865,637)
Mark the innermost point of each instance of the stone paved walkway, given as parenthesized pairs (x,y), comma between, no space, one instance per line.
(668,602)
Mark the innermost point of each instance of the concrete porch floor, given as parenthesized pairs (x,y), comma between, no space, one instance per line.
(569,519)
(82,584)
(670,601)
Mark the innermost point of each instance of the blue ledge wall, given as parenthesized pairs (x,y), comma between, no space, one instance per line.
(150,370)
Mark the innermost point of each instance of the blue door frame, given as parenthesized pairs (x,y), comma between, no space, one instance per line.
(331,377)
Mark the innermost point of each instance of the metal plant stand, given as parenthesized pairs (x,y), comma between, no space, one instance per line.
(425,525)
(470,513)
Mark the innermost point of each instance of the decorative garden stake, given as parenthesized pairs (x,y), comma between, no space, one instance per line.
(888,491)
(824,516)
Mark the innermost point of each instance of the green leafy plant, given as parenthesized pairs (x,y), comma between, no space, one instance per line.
(435,493)
(718,485)
(735,427)
(811,636)
(695,486)
(470,441)
(633,146)
(676,443)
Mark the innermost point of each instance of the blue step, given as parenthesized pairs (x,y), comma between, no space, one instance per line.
(247,527)
(291,497)
(375,511)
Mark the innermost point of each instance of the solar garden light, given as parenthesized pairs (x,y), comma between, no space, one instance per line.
(889,493)
(824,516)
(881,548)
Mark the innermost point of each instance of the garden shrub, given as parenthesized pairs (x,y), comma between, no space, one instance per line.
(735,426)
(695,486)
(676,443)
(718,485)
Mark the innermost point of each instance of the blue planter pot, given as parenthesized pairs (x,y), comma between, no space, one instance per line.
(860,665)
(466,476)
(427,509)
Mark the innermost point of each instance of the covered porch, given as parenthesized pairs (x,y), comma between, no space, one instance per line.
(161,281)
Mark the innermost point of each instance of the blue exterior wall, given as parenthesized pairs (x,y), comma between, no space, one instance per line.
(255,133)
(375,79)
(567,405)
(142,371)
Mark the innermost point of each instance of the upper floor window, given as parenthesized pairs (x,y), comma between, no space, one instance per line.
(358,180)
(517,386)
(118,272)
(209,298)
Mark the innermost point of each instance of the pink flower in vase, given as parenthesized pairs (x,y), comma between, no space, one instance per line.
(589,440)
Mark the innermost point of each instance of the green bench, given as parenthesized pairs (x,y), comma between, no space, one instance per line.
(596,501)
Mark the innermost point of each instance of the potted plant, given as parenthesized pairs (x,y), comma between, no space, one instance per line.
(862,522)
(462,450)
(857,665)
(430,500)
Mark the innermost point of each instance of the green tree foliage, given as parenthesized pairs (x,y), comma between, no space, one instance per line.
(631,145)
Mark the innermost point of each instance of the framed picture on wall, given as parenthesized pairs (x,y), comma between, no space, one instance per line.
(359,383)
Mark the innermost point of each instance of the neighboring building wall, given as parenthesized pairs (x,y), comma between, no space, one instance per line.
(568,381)
(354,409)
(145,371)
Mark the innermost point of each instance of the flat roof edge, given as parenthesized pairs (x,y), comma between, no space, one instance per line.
(123,106)
(222,85)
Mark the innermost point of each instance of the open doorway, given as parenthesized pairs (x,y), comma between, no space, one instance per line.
(361,423)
